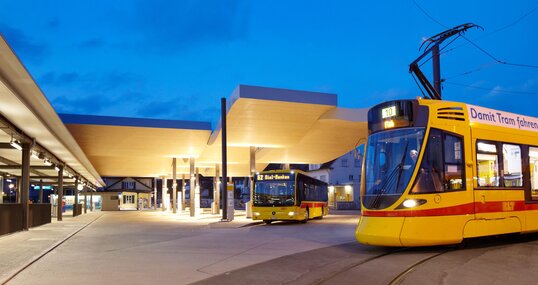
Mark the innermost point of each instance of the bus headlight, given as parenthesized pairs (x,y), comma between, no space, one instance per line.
(411,203)
(291,214)
(256,214)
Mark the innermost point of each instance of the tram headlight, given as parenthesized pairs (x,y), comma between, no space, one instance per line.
(291,214)
(411,203)
(256,214)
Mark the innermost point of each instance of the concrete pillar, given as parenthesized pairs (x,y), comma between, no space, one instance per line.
(155,193)
(197,193)
(192,188)
(40,191)
(182,200)
(248,206)
(18,192)
(76,196)
(85,199)
(174,186)
(1,189)
(215,208)
(163,193)
(60,191)
(25,186)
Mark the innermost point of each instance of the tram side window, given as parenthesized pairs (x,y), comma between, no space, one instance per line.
(533,164)
(442,164)
(488,165)
(512,174)
(453,163)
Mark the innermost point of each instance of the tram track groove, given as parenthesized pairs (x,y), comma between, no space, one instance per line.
(353,265)
(401,277)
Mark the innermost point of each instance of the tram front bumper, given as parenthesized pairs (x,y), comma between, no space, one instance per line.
(380,231)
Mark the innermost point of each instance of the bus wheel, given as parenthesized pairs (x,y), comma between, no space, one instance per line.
(306,216)
(267,221)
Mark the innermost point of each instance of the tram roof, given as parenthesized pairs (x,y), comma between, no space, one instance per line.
(285,126)
(26,112)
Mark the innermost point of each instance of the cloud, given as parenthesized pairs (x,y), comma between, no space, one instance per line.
(89,104)
(94,82)
(92,43)
(175,25)
(26,47)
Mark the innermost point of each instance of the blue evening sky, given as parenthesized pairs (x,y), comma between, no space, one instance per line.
(176,59)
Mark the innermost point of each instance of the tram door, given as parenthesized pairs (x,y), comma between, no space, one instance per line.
(499,171)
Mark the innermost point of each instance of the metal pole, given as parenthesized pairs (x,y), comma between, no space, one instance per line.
(25,186)
(41,191)
(436,62)
(192,187)
(183,192)
(91,200)
(75,205)
(163,192)
(251,180)
(224,179)
(154,192)
(216,192)
(60,191)
(85,199)
(174,186)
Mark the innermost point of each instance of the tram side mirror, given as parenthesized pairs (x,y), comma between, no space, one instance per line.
(469,163)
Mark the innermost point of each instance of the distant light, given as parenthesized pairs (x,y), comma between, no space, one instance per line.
(11,186)
(80,187)
(331,188)
(292,172)
(348,187)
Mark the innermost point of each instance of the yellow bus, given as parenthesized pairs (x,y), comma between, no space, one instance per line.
(437,172)
(288,196)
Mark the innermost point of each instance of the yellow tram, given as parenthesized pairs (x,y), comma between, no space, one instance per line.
(437,172)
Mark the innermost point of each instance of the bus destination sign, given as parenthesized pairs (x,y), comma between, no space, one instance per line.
(388,112)
(274,176)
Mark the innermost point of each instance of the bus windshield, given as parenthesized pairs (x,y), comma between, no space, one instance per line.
(391,157)
(274,193)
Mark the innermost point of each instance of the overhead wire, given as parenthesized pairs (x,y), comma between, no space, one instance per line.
(484,66)
(498,90)
(476,45)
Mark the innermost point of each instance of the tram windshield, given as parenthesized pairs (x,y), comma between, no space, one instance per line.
(391,157)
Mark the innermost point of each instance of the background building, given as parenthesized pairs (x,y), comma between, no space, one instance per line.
(343,176)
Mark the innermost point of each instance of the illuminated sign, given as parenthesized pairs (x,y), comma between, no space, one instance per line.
(276,176)
(388,112)
(501,119)
(389,124)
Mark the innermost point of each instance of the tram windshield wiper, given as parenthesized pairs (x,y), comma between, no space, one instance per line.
(390,179)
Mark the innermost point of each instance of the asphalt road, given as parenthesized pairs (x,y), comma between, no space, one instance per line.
(156,247)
